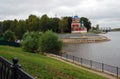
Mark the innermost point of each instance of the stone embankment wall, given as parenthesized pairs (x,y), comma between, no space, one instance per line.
(91,39)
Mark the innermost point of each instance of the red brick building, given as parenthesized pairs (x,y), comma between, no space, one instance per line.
(76,26)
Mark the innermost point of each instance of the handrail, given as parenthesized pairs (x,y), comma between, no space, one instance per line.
(13,70)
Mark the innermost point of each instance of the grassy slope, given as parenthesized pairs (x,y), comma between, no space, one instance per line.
(42,67)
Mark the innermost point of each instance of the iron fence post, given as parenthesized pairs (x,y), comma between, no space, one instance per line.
(91,63)
(73,58)
(102,67)
(15,67)
(117,71)
(66,56)
(81,61)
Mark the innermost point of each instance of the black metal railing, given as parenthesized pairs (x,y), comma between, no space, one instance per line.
(12,71)
(93,64)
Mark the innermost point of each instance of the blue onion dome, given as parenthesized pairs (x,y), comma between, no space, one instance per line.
(75,16)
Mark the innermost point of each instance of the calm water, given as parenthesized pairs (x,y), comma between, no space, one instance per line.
(104,52)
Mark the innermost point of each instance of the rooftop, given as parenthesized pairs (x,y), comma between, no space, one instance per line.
(75,16)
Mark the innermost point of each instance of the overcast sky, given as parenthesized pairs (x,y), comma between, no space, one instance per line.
(106,13)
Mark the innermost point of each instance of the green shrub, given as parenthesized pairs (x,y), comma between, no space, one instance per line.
(50,43)
(45,43)
(2,38)
(30,41)
(9,35)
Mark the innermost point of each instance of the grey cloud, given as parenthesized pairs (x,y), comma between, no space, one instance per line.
(96,10)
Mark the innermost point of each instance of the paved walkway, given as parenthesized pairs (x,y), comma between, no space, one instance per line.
(109,76)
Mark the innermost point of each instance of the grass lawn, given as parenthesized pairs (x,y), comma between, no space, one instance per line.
(42,67)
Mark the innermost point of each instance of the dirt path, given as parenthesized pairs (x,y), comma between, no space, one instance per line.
(109,76)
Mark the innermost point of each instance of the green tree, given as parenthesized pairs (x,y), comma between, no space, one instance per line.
(9,35)
(45,23)
(97,27)
(69,24)
(33,23)
(20,29)
(63,25)
(50,43)
(55,24)
(6,25)
(30,41)
(1,29)
(13,25)
(87,23)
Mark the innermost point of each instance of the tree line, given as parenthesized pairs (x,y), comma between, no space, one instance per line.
(38,24)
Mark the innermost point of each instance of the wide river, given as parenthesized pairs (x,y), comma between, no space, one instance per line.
(104,52)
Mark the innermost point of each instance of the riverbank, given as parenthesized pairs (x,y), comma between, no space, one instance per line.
(43,67)
(76,64)
(88,38)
